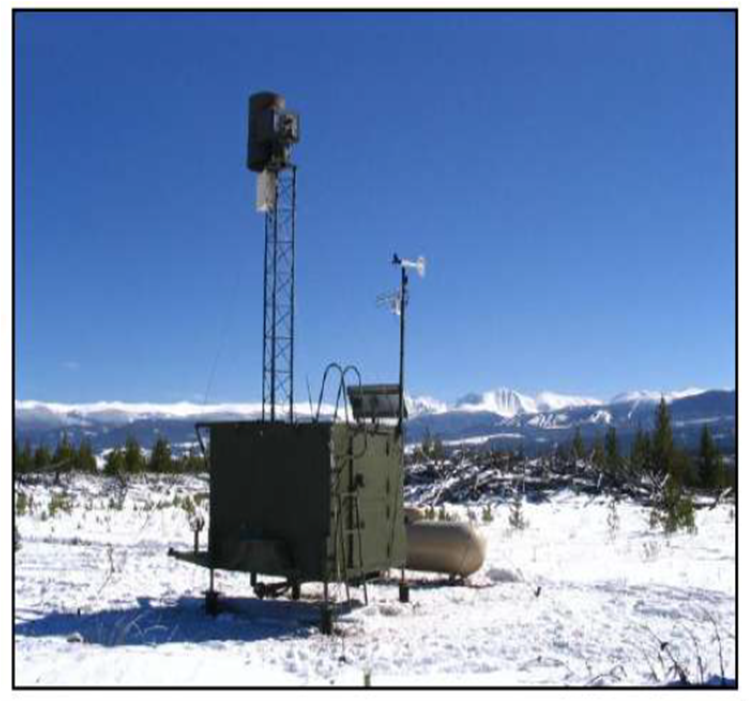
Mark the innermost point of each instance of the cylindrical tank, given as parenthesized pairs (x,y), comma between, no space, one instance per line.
(261,109)
(413,514)
(444,547)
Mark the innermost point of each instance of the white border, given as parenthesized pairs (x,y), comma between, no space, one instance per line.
(744,340)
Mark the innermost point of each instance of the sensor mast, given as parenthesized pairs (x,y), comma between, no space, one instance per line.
(272,131)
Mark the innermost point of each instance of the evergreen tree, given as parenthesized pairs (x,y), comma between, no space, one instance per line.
(65,454)
(438,449)
(612,458)
(134,459)
(598,453)
(160,460)
(681,467)
(578,446)
(662,453)
(561,455)
(23,460)
(42,457)
(710,468)
(85,460)
(517,520)
(673,509)
(115,463)
(639,459)
(426,445)
(191,463)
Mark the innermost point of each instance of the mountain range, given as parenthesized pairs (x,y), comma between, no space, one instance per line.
(497,418)
(505,418)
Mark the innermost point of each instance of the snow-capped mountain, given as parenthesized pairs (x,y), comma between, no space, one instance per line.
(510,403)
(424,405)
(551,402)
(654,396)
(509,418)
(504,402)
(500,416)
(125,412)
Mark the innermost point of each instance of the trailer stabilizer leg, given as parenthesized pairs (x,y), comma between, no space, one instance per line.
(212,602)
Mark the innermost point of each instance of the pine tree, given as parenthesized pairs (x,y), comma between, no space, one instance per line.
(190,462)
(662,444)
(65,454)
(598,453)
(710,468)
(42,457)
(160,460)
(23,460)
(85,460)
(613,458)
(578,446)
(639,459)
(561,456)
(673,509)
(426,445)
(196,463)
(134,459)
(516,518)
(115,463)
(438,449)
(667,459)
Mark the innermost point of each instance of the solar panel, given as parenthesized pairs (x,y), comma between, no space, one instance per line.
(375,401)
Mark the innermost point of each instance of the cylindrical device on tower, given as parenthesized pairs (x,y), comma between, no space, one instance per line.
(262,138)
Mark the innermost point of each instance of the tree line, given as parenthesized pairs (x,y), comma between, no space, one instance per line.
(653,456)
(126,460)
(655,471)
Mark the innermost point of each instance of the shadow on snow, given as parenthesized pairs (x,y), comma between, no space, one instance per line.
(182,621)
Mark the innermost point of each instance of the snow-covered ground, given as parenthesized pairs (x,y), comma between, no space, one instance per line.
(566,601)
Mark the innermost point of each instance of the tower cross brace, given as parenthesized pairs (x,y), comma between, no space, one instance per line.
(279,299)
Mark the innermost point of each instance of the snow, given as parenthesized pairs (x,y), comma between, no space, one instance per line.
(600,417)
(654,396)
(424,405)
(83,414)
(476,440)
(510,403)
(558,420)
(551,402)
(504,402)
(565,601)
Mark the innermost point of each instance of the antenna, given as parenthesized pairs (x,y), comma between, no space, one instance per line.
(391,300)
(272,132)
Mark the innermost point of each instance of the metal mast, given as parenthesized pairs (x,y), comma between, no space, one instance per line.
(279,298)
(402,297)
(272,132)
(403,305)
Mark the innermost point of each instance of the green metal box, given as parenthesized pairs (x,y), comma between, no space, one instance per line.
(310,502)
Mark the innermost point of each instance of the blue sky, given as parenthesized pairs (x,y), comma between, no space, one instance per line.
(569,177)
